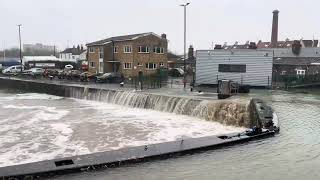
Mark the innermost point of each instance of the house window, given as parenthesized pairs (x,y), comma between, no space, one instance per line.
(158,50)
(101,52)
(92,64)
(233,68)
(139,64)
(161,64)
(91,49)
(301,72)
(127,49)
(73,57)
(127,66)
(115,49)
(151,66)
(143,49)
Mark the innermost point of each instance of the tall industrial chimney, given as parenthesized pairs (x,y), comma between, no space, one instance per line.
(274,35)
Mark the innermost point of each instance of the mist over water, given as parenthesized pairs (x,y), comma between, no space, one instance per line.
(37,127)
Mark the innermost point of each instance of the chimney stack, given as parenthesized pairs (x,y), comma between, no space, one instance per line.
(163,36)
(274,35)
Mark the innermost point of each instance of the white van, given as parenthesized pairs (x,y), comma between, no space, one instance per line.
(13,69)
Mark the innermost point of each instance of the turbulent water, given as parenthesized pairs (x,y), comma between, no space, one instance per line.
(229,112)
(294,154)
(38,127)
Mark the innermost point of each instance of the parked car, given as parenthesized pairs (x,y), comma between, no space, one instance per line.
(34,72)
(72,74)
(61,74)
(87,76)
(50,73)
(110,78)
(176,72)
(13,69)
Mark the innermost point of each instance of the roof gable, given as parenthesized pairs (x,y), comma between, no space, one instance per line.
(121,38)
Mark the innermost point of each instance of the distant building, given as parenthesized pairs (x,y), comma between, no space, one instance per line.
(38,47)
(50,62)
(175,61)
(288,44)
(290,57)
(74,54)
(130,55)
(248,67)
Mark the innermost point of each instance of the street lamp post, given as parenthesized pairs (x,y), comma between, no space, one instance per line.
(20,45)
(185,43)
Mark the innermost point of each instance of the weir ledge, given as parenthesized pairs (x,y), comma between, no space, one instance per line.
(254,113)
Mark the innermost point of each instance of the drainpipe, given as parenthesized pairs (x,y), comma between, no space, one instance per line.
(113,64)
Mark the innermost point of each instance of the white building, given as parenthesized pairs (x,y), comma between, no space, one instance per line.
(73,54)
(245,66)
(41,61)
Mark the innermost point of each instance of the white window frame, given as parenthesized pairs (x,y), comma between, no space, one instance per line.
(91,49)
(301,72)
(115,49)
(127,65)
(92,64)
(127,49)
(161,50)
(153,66)
(161,64)
(140,49)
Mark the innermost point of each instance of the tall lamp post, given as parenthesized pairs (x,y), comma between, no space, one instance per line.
(20,45)
(185,43)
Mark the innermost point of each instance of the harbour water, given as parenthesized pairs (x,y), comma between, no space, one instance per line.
(292,154)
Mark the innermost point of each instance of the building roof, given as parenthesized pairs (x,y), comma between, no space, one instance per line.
(73,51)
(173,56)
(40,58)
(121,38)
(288,44)
(296,61)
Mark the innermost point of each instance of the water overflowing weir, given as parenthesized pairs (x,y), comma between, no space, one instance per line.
(224,111)
(247,113)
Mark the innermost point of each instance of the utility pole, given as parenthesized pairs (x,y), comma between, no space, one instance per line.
(20,45)
(185,43)
(4,51)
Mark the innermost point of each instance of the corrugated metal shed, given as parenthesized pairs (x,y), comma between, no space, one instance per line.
(258,66)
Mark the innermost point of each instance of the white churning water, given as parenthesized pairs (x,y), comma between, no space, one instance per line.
(37,127)
(228,112)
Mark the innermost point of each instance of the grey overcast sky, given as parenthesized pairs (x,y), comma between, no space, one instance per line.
(68,22)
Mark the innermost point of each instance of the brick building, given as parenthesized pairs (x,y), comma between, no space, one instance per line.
(130,54)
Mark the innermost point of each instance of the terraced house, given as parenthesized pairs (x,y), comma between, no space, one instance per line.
(130,55)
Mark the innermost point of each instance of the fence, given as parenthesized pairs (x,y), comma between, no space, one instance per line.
(288,81)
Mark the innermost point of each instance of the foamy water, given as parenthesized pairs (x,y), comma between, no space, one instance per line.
(37,127)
